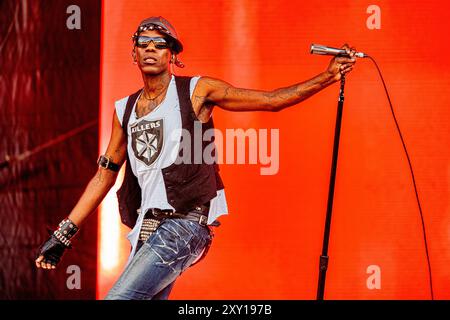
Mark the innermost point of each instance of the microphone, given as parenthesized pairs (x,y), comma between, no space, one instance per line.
(324,50)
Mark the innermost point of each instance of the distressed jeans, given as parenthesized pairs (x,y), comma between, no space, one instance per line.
(167,253)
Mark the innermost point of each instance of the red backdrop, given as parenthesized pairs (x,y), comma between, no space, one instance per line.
(268,246)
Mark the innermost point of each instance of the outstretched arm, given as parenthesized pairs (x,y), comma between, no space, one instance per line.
(217,92)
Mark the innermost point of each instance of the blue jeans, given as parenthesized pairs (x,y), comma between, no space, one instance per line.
(167,253)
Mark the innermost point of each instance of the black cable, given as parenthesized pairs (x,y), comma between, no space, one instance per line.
(412,175)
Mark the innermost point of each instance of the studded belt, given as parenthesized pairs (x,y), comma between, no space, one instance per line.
(154,216)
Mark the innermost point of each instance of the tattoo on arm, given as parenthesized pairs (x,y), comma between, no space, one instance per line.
(285,97)
(239,99)
(200,100)
(225,95)
(99,178)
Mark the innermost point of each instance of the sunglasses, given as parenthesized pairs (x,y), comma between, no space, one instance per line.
(158,42)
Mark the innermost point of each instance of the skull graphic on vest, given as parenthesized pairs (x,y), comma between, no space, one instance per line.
(147,140)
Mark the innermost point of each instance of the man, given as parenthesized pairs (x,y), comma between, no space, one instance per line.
(179,201)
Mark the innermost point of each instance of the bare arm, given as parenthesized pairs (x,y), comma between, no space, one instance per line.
(104,179)
(212,91)
(92,196)
(230,98)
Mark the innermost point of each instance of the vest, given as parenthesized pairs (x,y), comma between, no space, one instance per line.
(187,185)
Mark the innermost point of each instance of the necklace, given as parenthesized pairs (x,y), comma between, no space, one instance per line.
(149,106)
(151,99)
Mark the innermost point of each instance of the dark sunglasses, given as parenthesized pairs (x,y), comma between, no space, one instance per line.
(158,42)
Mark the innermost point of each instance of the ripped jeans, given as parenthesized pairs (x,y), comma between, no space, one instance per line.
(167,253)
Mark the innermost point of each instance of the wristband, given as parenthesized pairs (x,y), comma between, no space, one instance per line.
(66,230)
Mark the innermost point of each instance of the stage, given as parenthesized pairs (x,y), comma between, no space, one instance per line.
(65,64)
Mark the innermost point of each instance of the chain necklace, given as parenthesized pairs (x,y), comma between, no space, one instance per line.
(151,99)
(150,106)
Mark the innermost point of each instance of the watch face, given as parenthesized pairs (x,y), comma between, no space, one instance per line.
(103,162)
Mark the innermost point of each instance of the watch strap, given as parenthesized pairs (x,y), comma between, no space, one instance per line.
(106,163)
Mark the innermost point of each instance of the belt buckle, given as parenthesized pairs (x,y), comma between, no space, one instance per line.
(203,220)
(157,212)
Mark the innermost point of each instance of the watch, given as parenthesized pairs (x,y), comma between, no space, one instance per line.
(106,163)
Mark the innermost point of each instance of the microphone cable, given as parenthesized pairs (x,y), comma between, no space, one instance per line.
(412,175)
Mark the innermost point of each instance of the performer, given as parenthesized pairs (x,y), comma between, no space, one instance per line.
(170,198)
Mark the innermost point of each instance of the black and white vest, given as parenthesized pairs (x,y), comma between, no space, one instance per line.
(154,175)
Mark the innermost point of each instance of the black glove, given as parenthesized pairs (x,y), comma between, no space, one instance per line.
(52,250)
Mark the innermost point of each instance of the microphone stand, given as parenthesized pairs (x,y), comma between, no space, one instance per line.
(323,265)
